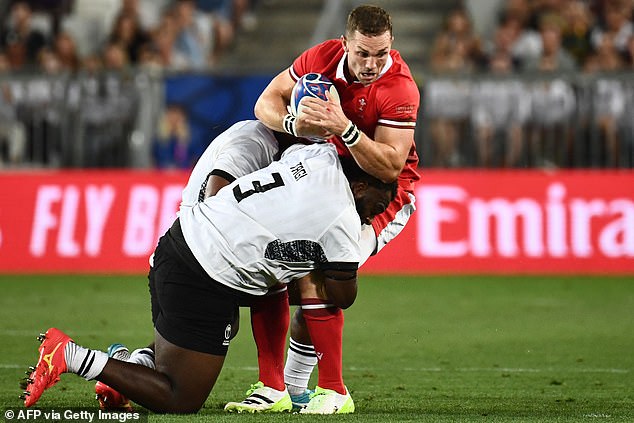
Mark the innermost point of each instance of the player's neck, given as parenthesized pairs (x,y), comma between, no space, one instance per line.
(349,76)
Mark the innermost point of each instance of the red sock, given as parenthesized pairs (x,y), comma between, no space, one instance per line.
(270,317)
(325,326)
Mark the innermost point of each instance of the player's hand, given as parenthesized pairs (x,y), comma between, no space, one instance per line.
(327,115)
(305,128)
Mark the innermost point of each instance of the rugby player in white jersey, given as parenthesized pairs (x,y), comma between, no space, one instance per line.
(226,250)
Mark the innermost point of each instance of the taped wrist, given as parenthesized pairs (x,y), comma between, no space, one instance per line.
(289,124)
(351,135)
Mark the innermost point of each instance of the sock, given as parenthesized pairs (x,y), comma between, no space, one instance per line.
(85,362)
(144,357)
(325,326)
(270,317)
(300,362)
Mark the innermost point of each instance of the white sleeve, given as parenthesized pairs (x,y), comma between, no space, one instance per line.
(341,241)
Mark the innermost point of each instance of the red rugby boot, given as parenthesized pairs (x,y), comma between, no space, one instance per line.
(109,399)
(50,365)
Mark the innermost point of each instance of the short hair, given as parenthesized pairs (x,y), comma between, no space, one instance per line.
(369,20)
(354,173)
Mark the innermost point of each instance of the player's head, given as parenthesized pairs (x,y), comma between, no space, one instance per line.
(368,40)
(371,195)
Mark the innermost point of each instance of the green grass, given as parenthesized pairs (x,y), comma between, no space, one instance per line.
(431,349)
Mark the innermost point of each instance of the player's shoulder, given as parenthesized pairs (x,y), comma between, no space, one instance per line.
(333,45)
(398,81)
(399,70)
(322,58)
(308,151)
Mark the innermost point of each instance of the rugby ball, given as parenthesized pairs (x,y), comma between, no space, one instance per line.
(313,85)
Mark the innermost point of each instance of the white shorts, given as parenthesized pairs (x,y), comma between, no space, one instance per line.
(245,147)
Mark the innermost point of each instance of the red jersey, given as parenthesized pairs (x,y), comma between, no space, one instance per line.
(392,100)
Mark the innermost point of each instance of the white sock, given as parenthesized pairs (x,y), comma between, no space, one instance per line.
(85,362)
(142,356)
(300,362)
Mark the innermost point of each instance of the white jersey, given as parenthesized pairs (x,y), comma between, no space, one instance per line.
(245,147)
(278,223)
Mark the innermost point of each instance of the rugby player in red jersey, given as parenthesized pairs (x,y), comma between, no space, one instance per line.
(373,121)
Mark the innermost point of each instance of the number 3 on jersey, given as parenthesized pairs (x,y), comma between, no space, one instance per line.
(258,187)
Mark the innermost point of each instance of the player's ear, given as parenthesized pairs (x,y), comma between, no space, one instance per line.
(358,188)
(344,43)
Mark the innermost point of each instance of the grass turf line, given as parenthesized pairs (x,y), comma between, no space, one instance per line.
(430,349)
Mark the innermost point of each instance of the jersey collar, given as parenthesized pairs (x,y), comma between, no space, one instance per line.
(340,68)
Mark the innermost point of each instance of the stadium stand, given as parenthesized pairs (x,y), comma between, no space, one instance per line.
(486,103)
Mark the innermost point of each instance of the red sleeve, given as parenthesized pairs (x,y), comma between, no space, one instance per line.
(399,100)
(304,63)
(322,58)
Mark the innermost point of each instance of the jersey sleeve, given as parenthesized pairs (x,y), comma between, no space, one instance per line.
(399,103)
(340,243)
(305,63)
(313,59)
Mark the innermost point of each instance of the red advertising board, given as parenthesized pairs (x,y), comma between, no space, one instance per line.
(466,222)
(84,221)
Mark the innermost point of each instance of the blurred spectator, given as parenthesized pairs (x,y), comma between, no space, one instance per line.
(576,34)
(456,47)
(66,50)
(54,10)
(541,8)
(5,66)
(12,131)
(150,58)
(518,10)
(447,106)
(605,59)
(616,24)
(195,38)
(163,50)
(115,58)
(171,144)
(609,106)
(41,100)
(146,13)
(553,103)
(127,33)
(501,46)
(500,107)
(108,110)
(227,16)
(526,43)
(630,53)
(456,50)
(553,57)
(49,61)
(19,39)
(91,64)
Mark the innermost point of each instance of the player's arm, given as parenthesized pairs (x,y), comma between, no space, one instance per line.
(271,108)
(214,183)
(385,156)
(382,157)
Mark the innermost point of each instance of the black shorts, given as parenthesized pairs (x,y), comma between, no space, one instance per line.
(189,308)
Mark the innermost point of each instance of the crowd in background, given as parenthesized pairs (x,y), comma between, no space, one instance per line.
(531,120)
(507,121)
(80,61)
(74,35)
(542,35)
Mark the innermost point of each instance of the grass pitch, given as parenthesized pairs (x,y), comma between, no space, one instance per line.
(429,349)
